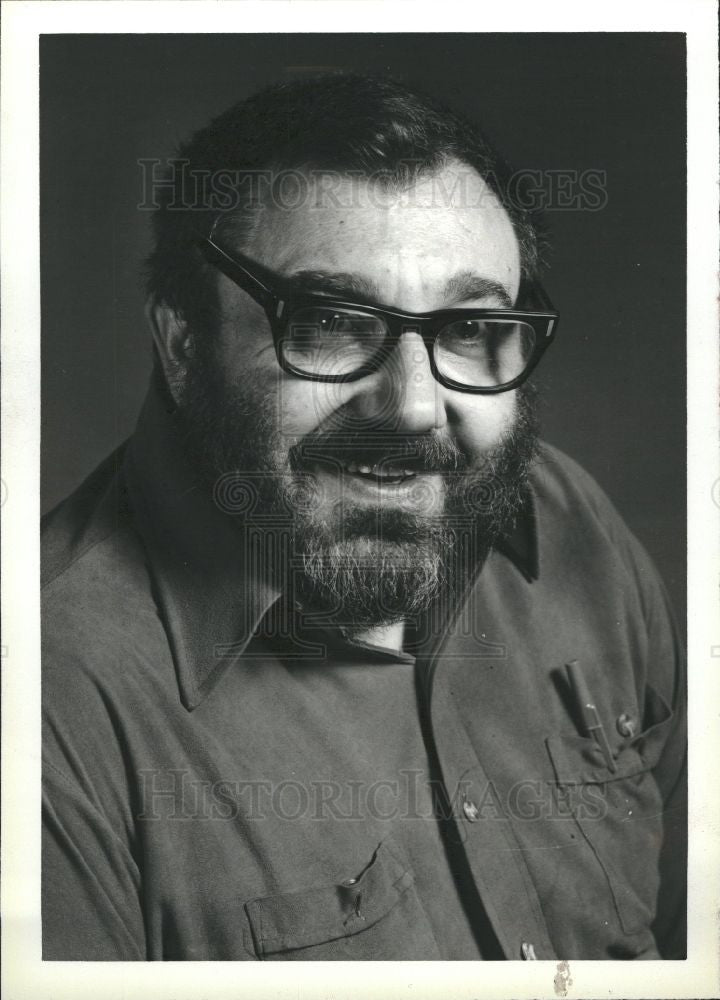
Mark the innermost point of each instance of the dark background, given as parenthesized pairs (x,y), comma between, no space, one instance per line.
(614,381)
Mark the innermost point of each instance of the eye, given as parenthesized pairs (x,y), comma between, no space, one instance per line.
(320,322)
(470,329)
(331,342)
(484,351)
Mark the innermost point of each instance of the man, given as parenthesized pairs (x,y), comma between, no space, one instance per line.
(340,662)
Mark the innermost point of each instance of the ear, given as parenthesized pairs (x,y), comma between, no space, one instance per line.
(173,342)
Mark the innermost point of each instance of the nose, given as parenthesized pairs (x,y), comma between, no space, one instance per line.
(403,395)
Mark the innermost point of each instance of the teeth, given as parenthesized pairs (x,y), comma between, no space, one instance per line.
(377,470)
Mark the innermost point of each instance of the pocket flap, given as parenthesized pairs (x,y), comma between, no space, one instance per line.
(314,916)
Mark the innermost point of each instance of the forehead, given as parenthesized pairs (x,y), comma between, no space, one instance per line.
(399,239)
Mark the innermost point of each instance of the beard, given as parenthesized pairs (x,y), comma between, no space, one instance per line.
(343,563)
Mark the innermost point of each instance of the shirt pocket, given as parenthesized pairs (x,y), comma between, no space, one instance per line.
(619,813)
(375,915)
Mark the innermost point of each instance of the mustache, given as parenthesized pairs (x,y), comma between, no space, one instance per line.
(421,452)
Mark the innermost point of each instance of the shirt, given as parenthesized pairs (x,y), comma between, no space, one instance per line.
(213,774)
(362,704)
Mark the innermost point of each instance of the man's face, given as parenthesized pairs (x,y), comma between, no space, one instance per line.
(375,472)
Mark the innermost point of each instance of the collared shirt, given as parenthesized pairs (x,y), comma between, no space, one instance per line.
(223,784)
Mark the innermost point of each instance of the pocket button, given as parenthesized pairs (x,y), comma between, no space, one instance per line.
(470,810)
(528,952)
(626,725)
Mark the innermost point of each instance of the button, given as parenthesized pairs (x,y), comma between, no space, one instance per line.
(626,725)
(470,810)
(528,952)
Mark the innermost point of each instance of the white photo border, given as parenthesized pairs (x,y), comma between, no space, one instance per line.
(24,974)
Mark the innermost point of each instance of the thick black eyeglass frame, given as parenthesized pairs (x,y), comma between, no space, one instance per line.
(279,300)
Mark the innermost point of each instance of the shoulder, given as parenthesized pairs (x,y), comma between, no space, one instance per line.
(587,549)
(96,510)
(562,484)
(107,670)
(98,609)
(572,505)
(91,555)
(581,530)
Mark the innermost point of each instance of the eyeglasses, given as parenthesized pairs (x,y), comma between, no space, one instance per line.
(325,339)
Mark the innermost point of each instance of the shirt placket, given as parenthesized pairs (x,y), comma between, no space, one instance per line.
(494,856)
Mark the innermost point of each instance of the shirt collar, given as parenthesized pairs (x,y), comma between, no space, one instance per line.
(521,544)
(210,592)
(210,598)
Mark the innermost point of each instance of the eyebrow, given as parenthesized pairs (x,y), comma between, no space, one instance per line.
(468,285)
(341,284)
(465,286)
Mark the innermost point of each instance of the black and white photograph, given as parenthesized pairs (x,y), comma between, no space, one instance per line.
(363,503)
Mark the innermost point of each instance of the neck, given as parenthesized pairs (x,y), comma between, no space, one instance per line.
(387,636)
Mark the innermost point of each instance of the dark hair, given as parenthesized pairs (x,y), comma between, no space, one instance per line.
(374,127)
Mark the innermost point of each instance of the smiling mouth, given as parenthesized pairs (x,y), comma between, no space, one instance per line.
(390,470)
(382,475)
(393,467)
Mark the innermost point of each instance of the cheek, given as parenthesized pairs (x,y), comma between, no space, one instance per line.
(304,406)
(478,423)
(482,422)
(243,344)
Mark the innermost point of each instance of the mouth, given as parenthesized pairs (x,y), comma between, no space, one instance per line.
(381,473)
(369,472)
(390,480)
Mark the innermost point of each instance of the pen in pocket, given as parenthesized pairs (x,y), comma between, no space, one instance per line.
(588,711)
